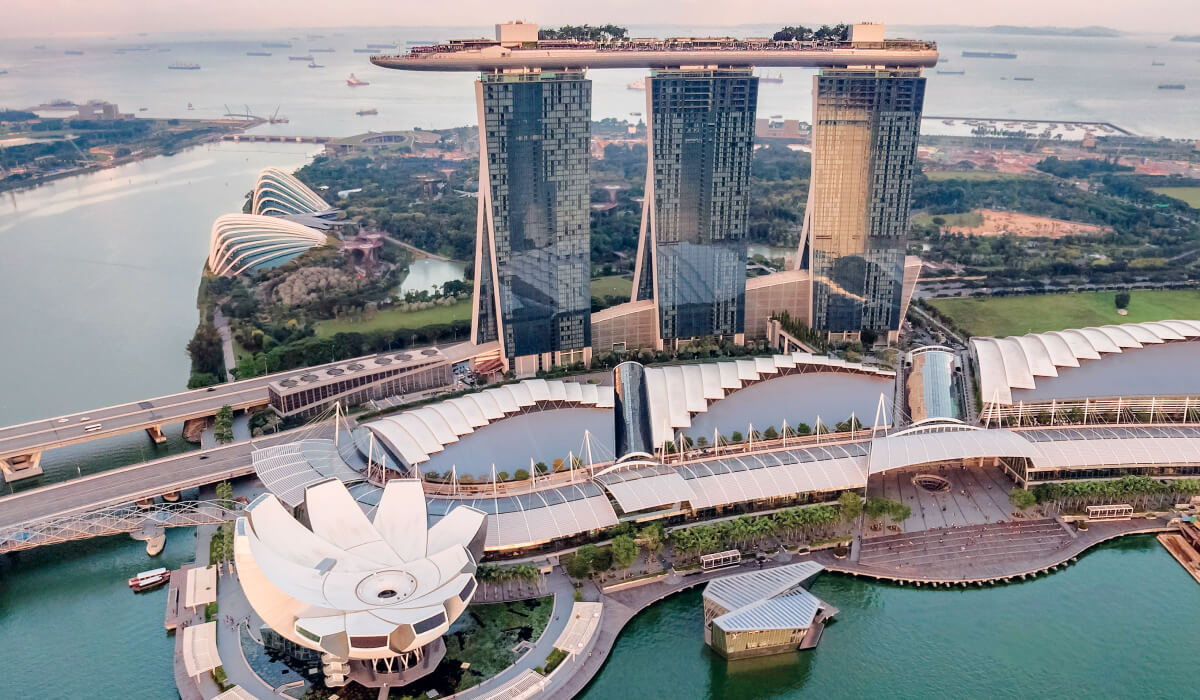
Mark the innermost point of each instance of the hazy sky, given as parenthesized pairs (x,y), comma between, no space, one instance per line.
(57,17)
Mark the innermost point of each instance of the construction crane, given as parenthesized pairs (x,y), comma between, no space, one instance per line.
(275,118)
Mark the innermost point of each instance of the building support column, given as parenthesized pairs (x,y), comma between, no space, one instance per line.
(19,467)
(156,434)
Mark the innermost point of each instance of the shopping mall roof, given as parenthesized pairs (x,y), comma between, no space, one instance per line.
(739,590)
(287,470)
(923,446)
(1013,363)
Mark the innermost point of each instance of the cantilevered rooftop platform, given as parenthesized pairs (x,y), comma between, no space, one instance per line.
(516,47)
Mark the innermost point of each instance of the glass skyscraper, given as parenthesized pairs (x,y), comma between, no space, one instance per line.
(865,129)
(533,254)
(692,251)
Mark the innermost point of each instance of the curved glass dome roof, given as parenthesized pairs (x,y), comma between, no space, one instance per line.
(246,242)
(279,194)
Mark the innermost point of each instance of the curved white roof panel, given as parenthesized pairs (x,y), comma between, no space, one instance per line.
(1009,367)
(349,580)
(907,450)
(278,193)
(414,435)
(245,242)
(678,393)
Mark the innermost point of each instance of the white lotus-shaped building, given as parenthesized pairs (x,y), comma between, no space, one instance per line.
(246,242)
(375,594)
(279,194)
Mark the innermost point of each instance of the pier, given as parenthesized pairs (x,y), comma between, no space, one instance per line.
(274,138)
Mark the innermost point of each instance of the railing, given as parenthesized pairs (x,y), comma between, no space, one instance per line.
(1098,411)
(113,521)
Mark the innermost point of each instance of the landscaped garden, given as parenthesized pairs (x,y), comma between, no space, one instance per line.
(1017,315)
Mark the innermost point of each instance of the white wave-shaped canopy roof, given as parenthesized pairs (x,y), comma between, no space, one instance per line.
(1016,361)
(241,242)
(279,194)
(677,393)
(413,436)
(355,587)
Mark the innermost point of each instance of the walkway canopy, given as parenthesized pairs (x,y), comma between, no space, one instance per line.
(200,648)
(533,518)
(201,586)
(286,470)
(926,446)
(237,692)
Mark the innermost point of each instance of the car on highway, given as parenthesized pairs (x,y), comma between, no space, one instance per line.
(92,428)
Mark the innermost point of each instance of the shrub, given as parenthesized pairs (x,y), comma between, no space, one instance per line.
(556,657)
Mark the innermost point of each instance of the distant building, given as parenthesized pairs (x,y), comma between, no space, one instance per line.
(692,251)
(533,250)
(865,129)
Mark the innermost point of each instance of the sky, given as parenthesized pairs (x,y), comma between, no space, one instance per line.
(45,18)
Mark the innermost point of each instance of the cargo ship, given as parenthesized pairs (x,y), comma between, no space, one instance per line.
(321,50)
(368,51)
(276,45)
(1172,86)
(367,112)
(355,82)
(184,66)
(381,46)
(988,54)
(258,53)
(951,72)
(314,64)
(1027,80)
(300,58)
(73,53)
(149,580)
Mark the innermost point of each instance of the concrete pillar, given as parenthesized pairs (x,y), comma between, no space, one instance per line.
(156,434)
(17,467)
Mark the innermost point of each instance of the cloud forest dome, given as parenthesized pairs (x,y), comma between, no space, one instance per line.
(241,243)
(278,193)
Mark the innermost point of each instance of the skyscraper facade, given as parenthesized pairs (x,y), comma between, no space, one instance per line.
(533,255)
(692,250)
(865,129)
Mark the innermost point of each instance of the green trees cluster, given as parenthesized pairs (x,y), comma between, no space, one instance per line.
(1022,498)
(208,360)
(1082,168)
(837,32)
(223,424)
(789,525)
(878,508)
(488,573)
(584,32)
(1138,491)
(800,330)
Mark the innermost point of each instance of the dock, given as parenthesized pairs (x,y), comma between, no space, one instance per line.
(176,614)
(1184,553)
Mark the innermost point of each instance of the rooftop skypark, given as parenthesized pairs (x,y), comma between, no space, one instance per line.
(518,45)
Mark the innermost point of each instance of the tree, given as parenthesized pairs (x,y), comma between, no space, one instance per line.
(851,505)
(624,551)
(770,433)
(579,565)
(199,380)
(521,474)
(735,437)
(223,424)
(1122,300)
(1022,499)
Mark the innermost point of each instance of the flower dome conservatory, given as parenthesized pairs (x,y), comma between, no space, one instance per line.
(242,243)
(279,194)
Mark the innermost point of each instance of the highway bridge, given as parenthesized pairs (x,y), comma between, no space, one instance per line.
(21,446)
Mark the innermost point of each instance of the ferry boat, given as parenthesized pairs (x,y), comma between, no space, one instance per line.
(258,53)
(184,66)
(988,54)
(1172,86)
(1025,80)
(300,58)
(355,82)
(367,112)
(149,580)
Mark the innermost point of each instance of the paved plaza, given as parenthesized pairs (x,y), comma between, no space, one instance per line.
(976,496)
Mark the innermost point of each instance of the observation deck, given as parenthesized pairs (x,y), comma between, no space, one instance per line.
(492,55)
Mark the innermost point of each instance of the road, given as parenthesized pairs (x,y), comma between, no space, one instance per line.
(129,484)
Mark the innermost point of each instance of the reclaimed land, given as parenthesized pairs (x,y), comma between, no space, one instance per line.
(395,319)
(1187,195)
(1017,315)
(977,175)
(614,285)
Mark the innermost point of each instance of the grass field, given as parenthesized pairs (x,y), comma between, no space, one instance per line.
(968,220)
(1000,316)
(614,286)
(974,175)
(1188,195)
(393,319)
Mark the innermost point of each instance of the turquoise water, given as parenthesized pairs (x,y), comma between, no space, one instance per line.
(1119,623)
(71,628)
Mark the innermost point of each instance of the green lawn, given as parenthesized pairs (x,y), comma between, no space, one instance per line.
(974,175)
(612,286)
(969,220)
(1188,195)
(393,319)
(1000,316)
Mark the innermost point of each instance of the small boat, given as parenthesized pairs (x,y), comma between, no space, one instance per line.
(951,72)
(635,114)
(3,71)
(73,53)
(355,82)
(1157,63)
(1027,80)
(1172,86)
(988,54)
(381,46)
(367,112)
(143,109)
(321,50)
(300,58)
(184,66)
(314,64)
(149,580)
(190,107)
(948,122)
(368,51)
(639,84)
(258,53)
(276,45)
(40,47)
